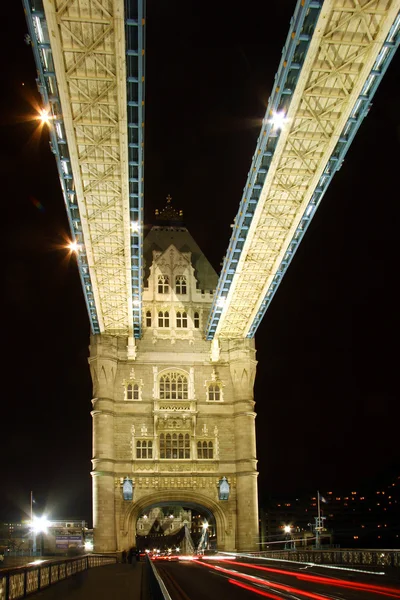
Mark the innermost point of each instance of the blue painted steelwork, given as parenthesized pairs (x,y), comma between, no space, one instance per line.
(48,89)
(135,69)
(294,53)
(360,110)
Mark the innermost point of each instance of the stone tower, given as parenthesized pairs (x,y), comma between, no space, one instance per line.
(174,414)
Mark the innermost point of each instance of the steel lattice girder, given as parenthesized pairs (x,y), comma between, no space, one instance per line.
(350,45)
(90,57)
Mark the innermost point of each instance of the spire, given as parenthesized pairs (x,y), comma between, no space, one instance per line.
(169,213)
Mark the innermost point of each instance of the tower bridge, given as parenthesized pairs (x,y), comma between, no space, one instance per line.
(172,352)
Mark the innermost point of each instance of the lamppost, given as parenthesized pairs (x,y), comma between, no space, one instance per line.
(38,525)
(287,529)
(205,536)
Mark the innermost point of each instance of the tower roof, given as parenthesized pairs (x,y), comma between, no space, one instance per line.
(160,237)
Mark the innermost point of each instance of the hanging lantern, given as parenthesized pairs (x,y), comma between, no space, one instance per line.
(224,489)
(127,489)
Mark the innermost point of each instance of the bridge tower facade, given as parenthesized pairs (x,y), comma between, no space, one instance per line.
(174,413)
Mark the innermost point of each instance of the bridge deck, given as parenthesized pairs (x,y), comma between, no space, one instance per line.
(111,581)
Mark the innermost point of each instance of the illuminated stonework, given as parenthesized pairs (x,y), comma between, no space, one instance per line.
(175,416)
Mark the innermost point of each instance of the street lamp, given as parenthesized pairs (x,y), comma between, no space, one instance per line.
(38,525)
(287,529)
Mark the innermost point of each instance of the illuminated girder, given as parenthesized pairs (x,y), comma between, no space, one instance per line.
(335,56)
(90,59)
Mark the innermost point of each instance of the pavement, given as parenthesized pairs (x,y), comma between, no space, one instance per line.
(120,581)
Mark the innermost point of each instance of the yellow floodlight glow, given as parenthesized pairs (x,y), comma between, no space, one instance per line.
(44,116)
(221,302)
(135,226)
(278,119)
(74,247)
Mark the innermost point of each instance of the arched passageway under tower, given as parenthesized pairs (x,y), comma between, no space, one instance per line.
(219,514)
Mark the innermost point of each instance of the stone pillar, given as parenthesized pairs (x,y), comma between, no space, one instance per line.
(103,366)
(243,366)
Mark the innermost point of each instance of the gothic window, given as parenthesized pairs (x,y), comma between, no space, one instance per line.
(163,318)
(132,391)
(144,449)
(181,319)
(174,445)
(173,386)
(214,392)
(148,318)
(163,284)
(205,449)
(180,284)
(196,320)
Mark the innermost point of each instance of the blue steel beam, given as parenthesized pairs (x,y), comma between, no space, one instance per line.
(135,71)
(294,53)
(47,85)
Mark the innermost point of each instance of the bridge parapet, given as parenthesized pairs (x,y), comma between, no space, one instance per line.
(19,582)
(346,557)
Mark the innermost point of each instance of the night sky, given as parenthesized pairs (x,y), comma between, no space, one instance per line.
(327,386)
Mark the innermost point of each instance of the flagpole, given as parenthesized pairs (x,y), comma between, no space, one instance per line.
(318,527)
(33,533)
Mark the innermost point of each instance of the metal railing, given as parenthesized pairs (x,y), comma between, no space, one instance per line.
(349,557)
(19,582)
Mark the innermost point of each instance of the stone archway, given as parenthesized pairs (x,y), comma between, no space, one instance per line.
(220,514)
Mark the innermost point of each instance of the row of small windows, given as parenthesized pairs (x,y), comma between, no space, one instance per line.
(164,284)
(174,386)
(181,319)
(174,446)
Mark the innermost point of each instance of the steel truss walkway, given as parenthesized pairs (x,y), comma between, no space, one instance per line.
(90,61)
(332,63)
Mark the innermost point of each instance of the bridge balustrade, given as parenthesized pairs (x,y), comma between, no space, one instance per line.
(349,557)
(19,582)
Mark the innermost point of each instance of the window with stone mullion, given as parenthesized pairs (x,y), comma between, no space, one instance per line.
(174,446)
(180,284)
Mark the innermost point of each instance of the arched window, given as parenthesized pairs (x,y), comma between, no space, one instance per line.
(205,449)
(174,445)
(181,319)
(163,284)
(148,318)
(163,318)
(214,393)
(196,320)
(132,391)
(144,449)
(173,386)
(180,284)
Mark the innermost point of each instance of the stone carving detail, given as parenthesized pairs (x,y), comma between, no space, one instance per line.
(155,386)
(143,430)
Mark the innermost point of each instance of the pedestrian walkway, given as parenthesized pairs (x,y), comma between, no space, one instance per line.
(111,582)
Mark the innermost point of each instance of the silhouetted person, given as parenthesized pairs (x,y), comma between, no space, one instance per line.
(123,556)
